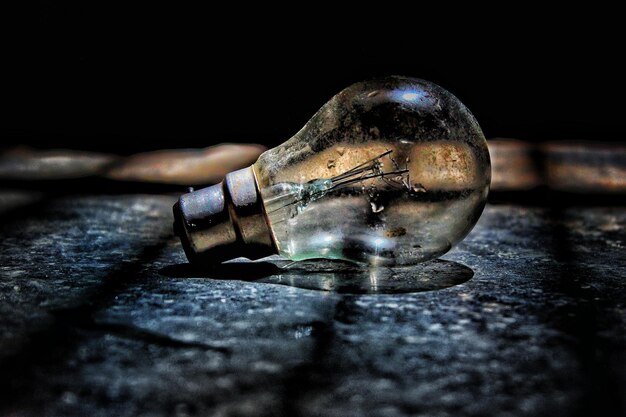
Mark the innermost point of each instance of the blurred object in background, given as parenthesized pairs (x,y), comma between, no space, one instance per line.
(185,166)
(512,166)
(175,166)
(572,167)
(24,163)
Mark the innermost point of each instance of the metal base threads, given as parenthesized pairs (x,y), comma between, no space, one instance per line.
(224,221)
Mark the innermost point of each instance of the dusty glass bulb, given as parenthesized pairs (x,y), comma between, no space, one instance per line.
(392,171)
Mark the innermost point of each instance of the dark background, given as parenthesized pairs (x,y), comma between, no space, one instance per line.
(125,78)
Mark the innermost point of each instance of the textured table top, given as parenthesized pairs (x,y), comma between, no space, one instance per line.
(101,316)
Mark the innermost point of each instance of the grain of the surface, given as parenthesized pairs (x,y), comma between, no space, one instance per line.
(100,317)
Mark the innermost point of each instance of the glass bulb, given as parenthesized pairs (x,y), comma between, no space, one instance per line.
(393,171)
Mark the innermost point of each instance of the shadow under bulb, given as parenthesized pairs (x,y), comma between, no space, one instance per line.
(392,171)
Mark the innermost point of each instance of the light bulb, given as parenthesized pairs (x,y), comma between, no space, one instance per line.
(392,171)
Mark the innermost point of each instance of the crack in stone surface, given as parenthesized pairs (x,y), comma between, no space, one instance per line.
(82,318)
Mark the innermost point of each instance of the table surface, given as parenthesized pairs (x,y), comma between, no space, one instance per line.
(100,315)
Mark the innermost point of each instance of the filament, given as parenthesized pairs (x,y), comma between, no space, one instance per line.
(369,169)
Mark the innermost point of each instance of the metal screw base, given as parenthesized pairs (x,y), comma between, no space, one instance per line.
(224,221)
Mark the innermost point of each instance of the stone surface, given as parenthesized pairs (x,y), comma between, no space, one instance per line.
(100,316)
